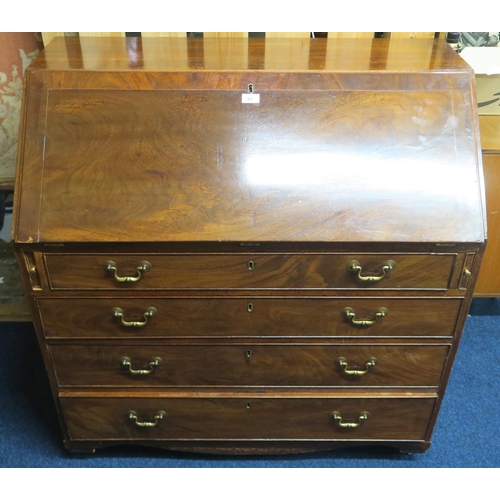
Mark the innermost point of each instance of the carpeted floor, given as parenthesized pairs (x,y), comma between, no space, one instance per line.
(467,433)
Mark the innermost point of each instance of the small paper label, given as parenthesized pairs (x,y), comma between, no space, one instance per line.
(250,98)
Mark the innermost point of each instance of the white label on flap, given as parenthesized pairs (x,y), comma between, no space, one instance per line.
(250,98)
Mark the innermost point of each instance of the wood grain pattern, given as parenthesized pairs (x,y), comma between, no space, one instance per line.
(101,33)
(104,52)
(174,34)
(80,318)
(412,34)
(488,283)
(143,149)
(346,34)
(213,271)
(490,134)
(288,34)
(98,135)
(248,365)
(48,36)
(226,34)
(103,419)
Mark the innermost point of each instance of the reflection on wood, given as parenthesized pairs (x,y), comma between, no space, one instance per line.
(48,36)
(488,283)
(171,54)
(420,34)
(346,34)
(93,53)
(228,55)
(102,33)
(158,34)
(291,34)
(226,34)
(281,56)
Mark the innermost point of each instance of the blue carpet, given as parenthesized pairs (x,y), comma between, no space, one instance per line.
(466,435)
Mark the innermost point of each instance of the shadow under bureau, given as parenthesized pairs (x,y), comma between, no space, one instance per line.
(249,245)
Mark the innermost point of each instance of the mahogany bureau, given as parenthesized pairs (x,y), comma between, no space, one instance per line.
(249,245)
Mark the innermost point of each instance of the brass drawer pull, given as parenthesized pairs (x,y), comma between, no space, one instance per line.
(150,312)
(126,363)
(350,425)
(132,415)
(348,313)
(354,266)
(142,267)
(342,362)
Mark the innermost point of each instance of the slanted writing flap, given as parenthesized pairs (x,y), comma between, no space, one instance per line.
(300,165)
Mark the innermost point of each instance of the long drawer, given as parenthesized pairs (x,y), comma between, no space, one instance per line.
(249,365)
(149,317)
(249,271)
(287,418)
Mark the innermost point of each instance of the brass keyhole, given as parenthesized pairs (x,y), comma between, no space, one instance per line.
(249,354)
(248,405)
(250,308)
(251,265)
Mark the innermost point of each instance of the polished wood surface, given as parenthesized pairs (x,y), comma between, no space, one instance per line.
(80,318)
(488,283)
(255,271)
(412,34)
(350,34)
(311,418)
(249,365)
(175,34)
(336,54)
(259,162)
(490,134)
(48,36)
(264,155)
(266,252)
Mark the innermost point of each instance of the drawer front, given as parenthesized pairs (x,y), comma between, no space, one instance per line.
(249,365)
(247,317)
(258,271)
(247,418)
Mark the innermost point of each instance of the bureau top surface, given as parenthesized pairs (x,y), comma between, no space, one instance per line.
(130,140)
(242,54)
